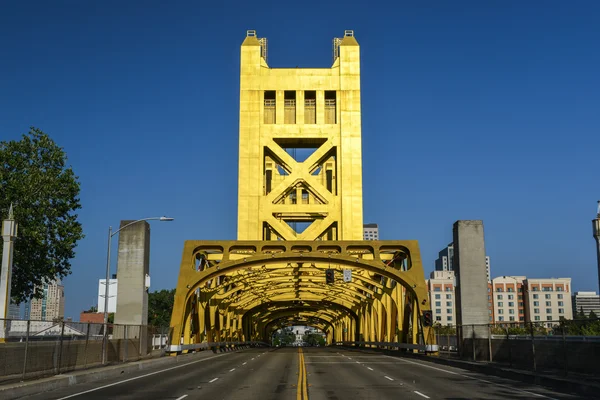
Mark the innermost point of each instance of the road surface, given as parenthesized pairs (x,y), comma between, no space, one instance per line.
(300,374)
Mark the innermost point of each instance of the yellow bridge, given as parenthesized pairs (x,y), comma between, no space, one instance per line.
(299,215)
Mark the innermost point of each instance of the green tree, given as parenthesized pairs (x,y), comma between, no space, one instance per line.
(160,307)
(34,177)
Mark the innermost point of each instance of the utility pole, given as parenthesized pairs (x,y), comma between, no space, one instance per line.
(596,230)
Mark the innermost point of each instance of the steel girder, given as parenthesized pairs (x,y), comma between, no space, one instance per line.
(242,290)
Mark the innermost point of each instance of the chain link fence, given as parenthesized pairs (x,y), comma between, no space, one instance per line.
(32,349)
(565,347)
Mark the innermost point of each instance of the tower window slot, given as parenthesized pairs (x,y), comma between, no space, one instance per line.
(289,107)
(269,107)
(330,111)
(310,107)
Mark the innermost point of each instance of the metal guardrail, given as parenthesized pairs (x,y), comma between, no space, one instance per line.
(427,348)
(210,345)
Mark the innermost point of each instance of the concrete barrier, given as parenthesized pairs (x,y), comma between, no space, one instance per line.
(28,388)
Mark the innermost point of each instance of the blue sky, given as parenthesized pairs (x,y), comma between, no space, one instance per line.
(471,110)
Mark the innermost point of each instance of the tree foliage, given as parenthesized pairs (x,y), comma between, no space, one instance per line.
(283,337)
(45,194)
(313,339)
(160,307)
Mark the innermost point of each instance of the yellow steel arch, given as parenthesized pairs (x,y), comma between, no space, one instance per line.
(221,284)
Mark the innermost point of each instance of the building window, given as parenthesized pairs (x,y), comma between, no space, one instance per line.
(330,107)
(438,318)
(546,289)
(448,311)
(437,289)
(560,296)
(448,296)
(510,290)
(559,289)
(438,311)
(536,289)
(536,310)
(448,288)
(511,304)
(511,318)
(500,319)
(520,297)
(449,318)
(548,310)
(561,310)
(310,107)
(438,303)
(548,304)
(499,297)
(448,304)
(549,318)
(500,311)
(521,304)
(499,289)
(269,107)
(289,107)
(500,304)
(489,297)
(537,317)
(511,311)
(511,296)
(535,296)
(560,303)
(548,296)
(437,296)
(521,318)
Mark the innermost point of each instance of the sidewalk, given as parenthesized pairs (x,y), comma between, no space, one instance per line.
(26,388)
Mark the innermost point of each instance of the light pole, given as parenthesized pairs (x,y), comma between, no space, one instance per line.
(596,230)
(110,235)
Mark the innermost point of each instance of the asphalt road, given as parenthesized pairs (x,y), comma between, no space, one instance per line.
(315,373)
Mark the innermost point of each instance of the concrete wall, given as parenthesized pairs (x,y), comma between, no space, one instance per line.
(133,264)
(471,276)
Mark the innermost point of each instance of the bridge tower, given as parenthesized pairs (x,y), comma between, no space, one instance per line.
(300,166)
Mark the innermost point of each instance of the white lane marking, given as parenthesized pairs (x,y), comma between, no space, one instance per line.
(349,358)
(387,377)
(139,377)
(252,359)
(370,368)
(232,369)
(182,397)
(357,362)
(245,363)
(212,380)
(470,377)
(421,394)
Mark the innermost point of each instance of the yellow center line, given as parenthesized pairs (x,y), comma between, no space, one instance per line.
(302,387)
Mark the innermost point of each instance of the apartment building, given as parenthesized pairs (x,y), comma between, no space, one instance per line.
(441,297)
(370,232)
(548,299)
(508,298)
(52,304)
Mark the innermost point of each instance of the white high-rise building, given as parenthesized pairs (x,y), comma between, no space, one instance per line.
(370,232)
(586,301)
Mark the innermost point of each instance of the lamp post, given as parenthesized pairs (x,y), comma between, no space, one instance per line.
(110,235)
(596,230)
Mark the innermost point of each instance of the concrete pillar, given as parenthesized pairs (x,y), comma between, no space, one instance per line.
(471,282)
(133,265)
(9,233)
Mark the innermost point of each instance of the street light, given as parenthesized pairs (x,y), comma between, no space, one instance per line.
(596,230)
(110,235)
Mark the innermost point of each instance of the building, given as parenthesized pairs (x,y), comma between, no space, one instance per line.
(548,300)
(93,317)
(586,302)
(51,306)
(445,261)
(112,294)
(508,298)
(370,232)
(300,169)
(441,296)
(14,311)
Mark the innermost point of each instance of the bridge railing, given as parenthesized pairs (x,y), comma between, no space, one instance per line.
(564,347)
